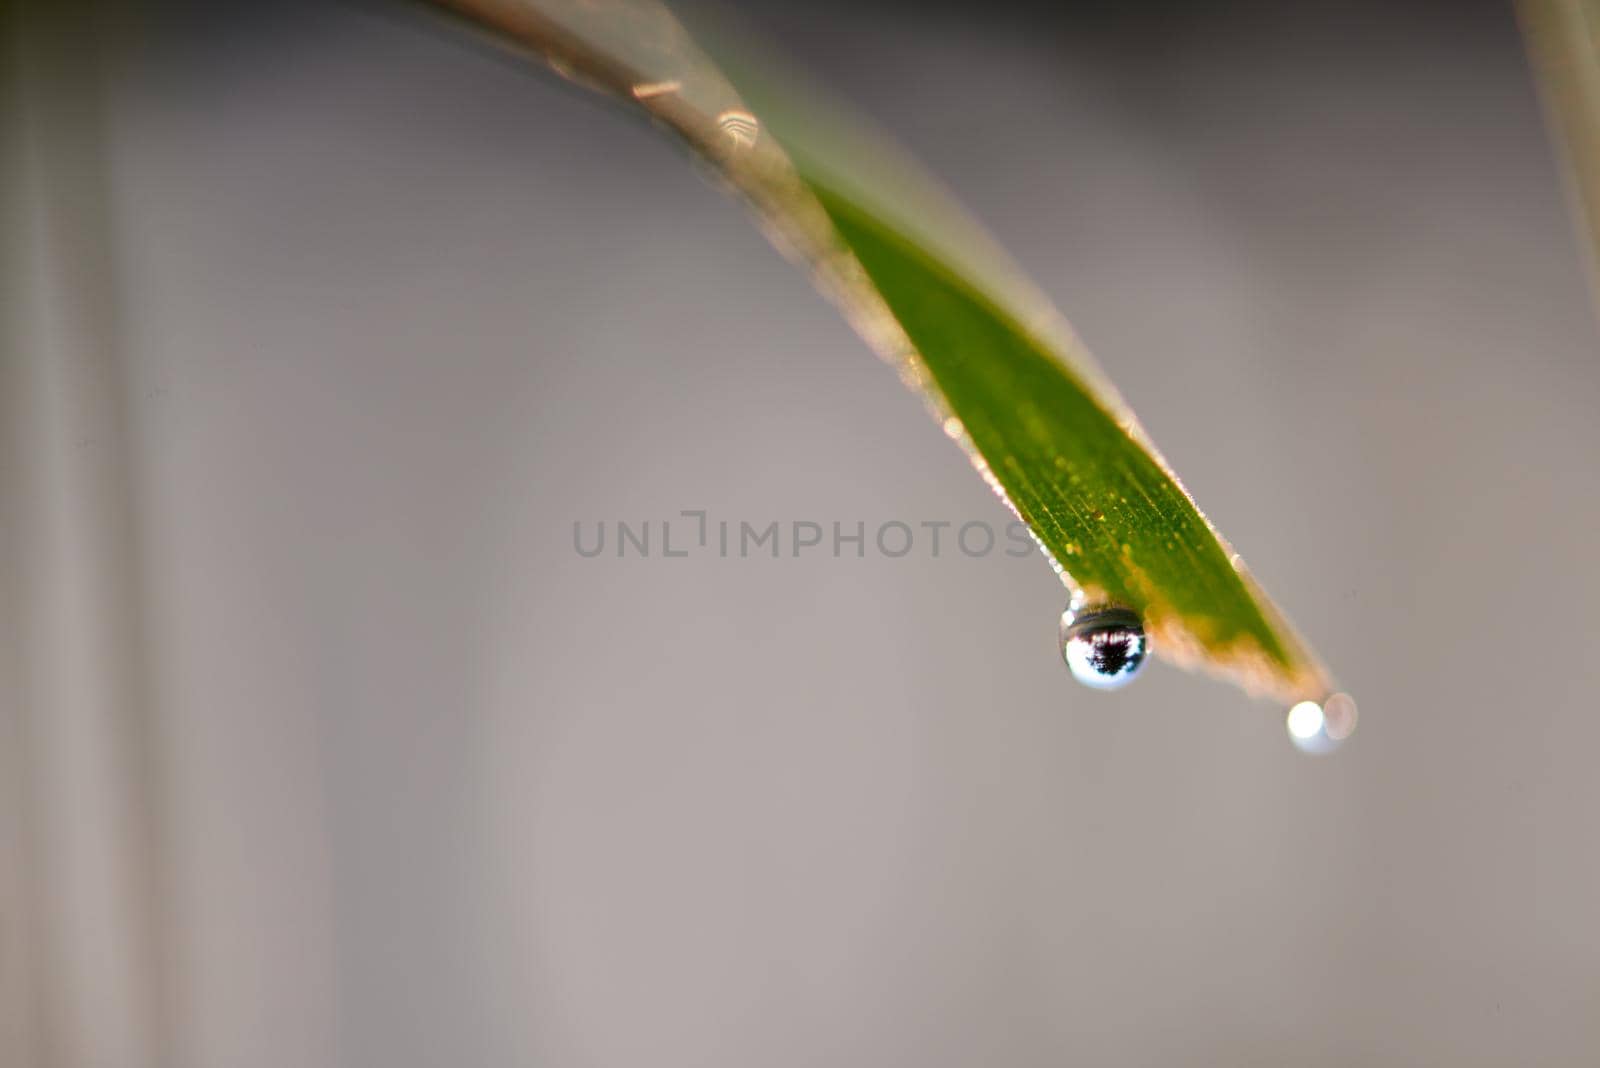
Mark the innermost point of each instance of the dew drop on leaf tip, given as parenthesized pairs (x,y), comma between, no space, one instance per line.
(1104,646)
(1321,728)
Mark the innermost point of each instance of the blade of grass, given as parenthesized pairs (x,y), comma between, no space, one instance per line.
(925,288)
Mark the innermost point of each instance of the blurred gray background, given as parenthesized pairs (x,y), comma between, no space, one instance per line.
(323,746)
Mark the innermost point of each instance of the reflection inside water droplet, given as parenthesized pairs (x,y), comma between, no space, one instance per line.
(1104,647)
(1319,728)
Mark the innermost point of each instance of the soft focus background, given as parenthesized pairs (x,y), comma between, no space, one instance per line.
(320,745)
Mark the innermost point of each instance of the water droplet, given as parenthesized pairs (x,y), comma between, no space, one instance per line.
(1319,728)
(1105,647)
(739,126)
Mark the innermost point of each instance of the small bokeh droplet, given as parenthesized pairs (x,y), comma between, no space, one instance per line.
(1339,716)
(1104,647)
(1320,728)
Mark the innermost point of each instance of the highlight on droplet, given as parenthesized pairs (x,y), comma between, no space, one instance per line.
(739,126)
(1320,728)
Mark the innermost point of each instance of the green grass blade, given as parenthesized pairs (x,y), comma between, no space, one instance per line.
(1102,505)
(995,363)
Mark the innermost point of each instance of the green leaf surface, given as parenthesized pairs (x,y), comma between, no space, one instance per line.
(927,290)
(1124,531)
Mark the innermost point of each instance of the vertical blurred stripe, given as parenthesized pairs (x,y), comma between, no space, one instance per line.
(79,940)
(1564,42)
